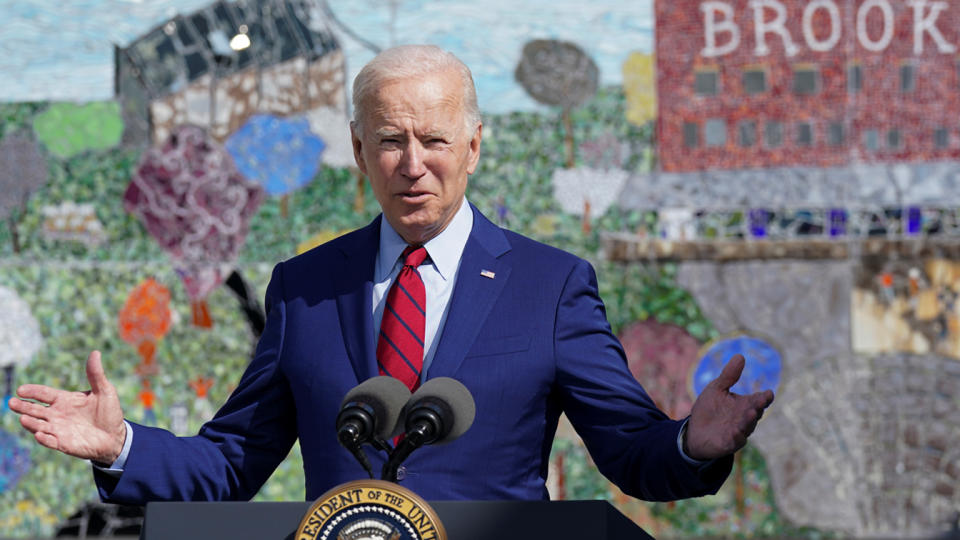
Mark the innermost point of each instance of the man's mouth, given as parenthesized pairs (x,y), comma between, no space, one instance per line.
(414,196)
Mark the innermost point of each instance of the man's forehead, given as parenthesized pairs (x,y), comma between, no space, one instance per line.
(442,88)
(431,104)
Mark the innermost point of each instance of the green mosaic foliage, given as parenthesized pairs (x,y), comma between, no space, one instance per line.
(17,116)
(69,128)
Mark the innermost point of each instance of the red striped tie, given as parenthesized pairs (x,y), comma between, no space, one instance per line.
(400,346)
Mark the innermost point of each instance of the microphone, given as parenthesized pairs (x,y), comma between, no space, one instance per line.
(370,413)
(438,412)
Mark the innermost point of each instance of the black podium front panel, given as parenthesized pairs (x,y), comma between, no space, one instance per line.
(463,520)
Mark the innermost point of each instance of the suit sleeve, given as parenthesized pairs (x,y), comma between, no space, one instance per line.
(235,452)
(631,441)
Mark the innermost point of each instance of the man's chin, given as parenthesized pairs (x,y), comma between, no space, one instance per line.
(418,227)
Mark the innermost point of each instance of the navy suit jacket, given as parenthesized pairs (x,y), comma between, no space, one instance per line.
(529,343)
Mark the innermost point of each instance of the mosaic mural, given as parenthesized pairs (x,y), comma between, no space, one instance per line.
(779,177)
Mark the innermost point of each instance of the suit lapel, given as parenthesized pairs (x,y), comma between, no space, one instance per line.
(473,296)
(355,299)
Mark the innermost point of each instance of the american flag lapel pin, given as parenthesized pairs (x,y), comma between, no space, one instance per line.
(488,274)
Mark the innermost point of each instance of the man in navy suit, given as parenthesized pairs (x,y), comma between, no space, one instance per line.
(519,323)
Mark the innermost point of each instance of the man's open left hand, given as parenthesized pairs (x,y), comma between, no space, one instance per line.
(721,421)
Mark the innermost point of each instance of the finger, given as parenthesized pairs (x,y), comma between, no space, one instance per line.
(28,407)
(762,400)
(47,439)
(39,392)
(95,375)
(34,425)
(752,416)
(750,427)
(731,372)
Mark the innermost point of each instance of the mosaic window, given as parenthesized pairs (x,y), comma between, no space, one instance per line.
(747,132)
(894,139)
(755,81)
(835,134)
(871,139)
(691,134)
(908,77)
(715,132)
(854,78)
(705,83)
(804,134)
(773,133)
(805,81)
(941,137)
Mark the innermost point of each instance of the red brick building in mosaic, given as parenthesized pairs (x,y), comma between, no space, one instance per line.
(768,83)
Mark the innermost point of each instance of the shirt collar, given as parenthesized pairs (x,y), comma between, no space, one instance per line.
(444,249)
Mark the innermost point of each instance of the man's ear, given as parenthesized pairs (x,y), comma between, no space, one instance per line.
(474,149)
(357,147)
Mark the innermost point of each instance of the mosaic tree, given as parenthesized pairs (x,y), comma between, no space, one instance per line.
(22,172)
(558,73)
(587,192)
(20,338)
(67,129)
(197,206)
(281,154)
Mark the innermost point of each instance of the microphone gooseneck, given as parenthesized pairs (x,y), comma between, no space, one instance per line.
(438,412)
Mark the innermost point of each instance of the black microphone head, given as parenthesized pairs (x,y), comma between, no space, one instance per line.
(450,397)
(386,396)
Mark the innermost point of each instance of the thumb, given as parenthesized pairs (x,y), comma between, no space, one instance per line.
(731,372)
(95,375)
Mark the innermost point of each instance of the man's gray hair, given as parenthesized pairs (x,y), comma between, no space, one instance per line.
(412,61)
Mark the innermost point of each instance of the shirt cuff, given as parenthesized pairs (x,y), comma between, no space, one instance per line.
(116,468)
(688,459)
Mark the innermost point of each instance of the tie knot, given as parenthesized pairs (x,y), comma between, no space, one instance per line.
(414,256)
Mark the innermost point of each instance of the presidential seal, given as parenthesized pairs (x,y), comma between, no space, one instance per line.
(370,510)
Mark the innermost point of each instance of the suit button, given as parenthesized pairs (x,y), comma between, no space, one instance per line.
(401,473)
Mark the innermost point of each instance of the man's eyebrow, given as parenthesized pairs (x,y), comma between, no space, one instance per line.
(387,132)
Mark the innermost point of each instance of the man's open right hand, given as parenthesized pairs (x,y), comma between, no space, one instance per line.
(86,425)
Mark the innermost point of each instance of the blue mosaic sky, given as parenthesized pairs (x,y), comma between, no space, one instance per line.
(64,50)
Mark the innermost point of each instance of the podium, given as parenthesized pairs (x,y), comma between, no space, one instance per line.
(463,520)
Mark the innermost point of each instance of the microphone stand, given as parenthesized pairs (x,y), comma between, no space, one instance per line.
(381,445)
(425,424)
(354,421)
(411,441)
(348,437)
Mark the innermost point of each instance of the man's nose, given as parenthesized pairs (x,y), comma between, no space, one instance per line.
(411,163)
